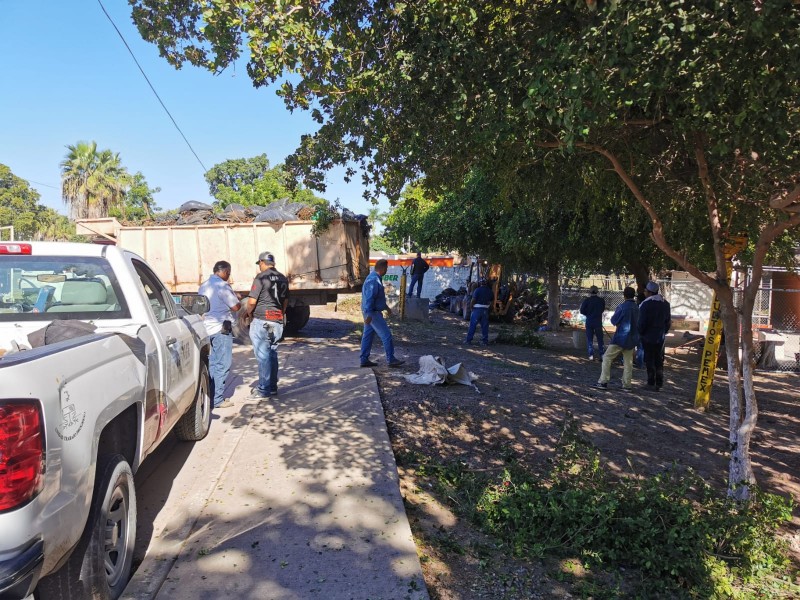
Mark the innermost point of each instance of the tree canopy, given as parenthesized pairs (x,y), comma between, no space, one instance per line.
(20,208)
(92,181)
(251,181)
(695,106)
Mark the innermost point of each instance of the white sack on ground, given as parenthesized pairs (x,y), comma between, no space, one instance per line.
(433,371)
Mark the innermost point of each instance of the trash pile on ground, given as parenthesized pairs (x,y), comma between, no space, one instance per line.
(200,213)
(527,304)
(434,371)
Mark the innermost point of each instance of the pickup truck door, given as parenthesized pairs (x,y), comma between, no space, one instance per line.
(178,352)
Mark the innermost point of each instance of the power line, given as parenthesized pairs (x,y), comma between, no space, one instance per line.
(44,184)
(150,84)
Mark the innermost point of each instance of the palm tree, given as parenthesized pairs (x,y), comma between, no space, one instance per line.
(92,182)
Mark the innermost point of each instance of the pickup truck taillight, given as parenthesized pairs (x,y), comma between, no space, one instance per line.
(21,453)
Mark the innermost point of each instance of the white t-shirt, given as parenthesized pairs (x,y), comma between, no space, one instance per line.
(222,298)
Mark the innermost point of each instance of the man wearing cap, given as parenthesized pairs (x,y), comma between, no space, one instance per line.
(218,319)
(481,302)
(267,303)
(593,308)
(626,336)
(655,320)
(373,303)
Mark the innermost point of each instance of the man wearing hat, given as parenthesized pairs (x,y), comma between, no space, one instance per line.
(593,308)
(626,336)
(654,323)
(266,303)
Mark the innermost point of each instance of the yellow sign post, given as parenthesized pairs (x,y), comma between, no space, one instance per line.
(708,359)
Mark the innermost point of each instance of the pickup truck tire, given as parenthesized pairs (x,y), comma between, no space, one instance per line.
(193,426)
(100,565)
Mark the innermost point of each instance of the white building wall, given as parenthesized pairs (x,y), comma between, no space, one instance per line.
(435,280)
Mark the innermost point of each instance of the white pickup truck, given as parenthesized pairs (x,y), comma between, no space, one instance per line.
(82,403)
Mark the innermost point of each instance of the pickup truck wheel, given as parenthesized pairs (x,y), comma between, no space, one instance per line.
(193,426)
(100,565)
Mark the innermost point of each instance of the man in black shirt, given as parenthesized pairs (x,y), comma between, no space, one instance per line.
(418,269)
(266,303)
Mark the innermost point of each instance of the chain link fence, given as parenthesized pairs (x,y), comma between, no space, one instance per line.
(776,314)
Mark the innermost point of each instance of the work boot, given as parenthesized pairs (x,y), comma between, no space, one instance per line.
(224,404)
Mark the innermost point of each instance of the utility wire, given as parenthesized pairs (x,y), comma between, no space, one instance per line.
(44,184)
(151,85)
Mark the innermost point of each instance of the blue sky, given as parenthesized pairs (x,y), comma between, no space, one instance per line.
(66,77)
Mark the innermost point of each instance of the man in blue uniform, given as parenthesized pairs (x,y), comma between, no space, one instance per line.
(592,308)
(626,320)
(481,302)
(373,303)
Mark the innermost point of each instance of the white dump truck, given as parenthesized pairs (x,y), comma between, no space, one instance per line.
(318,267)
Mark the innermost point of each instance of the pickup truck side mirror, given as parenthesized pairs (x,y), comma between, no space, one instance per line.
(195,304)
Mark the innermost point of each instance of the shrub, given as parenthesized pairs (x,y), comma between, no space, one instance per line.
(679,535)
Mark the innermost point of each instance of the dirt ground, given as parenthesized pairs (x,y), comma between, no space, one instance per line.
(523,396)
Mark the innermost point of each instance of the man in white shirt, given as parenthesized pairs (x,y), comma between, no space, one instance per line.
(218,321)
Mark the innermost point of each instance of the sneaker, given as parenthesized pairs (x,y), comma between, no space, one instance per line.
(369,363)
(257,394)
(224,404)
(273,393)
(601,386)
(396,362)
(627,389)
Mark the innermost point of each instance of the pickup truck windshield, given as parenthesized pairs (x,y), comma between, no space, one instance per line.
(45,288)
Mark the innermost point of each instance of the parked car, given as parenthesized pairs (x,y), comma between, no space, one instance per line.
(97,365)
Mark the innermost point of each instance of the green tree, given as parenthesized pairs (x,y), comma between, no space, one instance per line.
(251,181)
(139,201)
(92,181)
(695,106)
(20,208)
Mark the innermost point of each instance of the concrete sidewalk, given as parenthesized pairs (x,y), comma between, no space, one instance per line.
(307,505)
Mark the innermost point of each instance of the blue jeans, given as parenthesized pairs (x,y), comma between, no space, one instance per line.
(416,279)
(265,336)
(594,331)
(379,326)
(219,364)
(479,315)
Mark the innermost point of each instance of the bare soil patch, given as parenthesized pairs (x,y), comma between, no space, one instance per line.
(524,397)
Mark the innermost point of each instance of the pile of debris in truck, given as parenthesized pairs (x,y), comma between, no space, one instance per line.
(200,213)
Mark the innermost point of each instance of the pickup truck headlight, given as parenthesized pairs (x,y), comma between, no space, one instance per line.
(21,453)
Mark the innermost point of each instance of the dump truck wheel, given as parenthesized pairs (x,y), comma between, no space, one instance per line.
(297,317)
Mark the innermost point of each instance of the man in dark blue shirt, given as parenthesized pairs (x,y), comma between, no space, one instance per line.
(418,269)
(481,302)
(655,320)
(592,308)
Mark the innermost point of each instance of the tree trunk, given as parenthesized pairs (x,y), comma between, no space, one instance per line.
(553,298)
(743,406)
(642,275)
